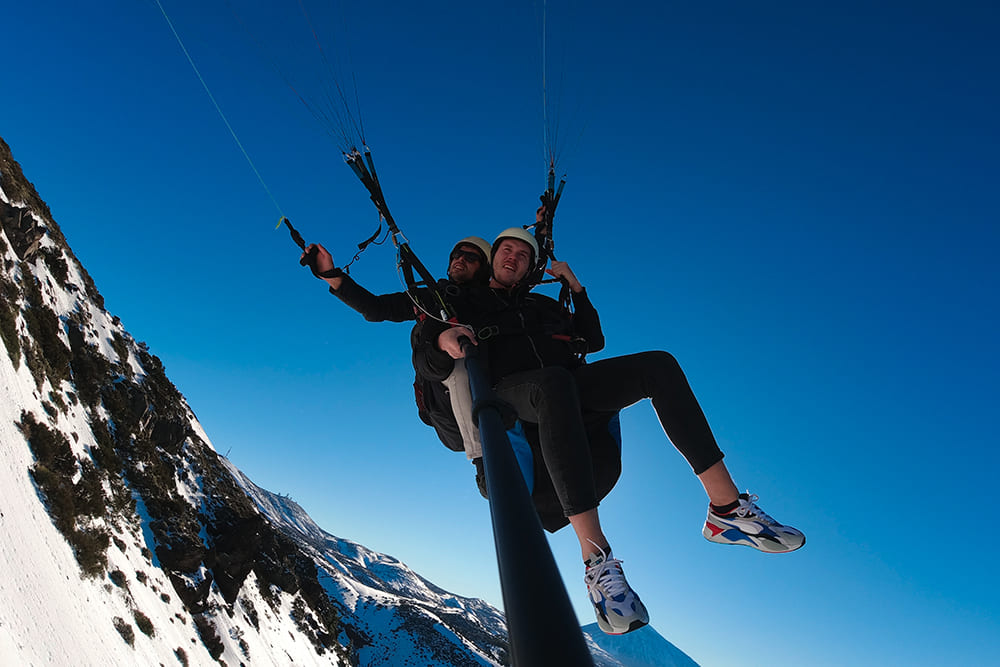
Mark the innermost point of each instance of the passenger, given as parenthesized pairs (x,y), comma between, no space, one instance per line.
(532,350)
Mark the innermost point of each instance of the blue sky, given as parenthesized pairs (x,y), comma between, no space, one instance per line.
(797,202)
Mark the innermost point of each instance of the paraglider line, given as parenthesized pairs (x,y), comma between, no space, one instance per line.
(225,120)
(545,102)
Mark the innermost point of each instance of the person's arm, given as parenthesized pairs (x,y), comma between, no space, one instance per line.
(586,322)
(393,307)
(429,360)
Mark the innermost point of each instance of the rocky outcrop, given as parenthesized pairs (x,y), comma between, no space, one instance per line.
(21,230)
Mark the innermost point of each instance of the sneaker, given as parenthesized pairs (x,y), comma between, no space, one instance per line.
(619,609)
(751,526)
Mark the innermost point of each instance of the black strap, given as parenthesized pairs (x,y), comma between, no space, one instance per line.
(543,232)
(364,167)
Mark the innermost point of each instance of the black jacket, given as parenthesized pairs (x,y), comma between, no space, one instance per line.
(393,307)
(517,330)
(402,306)
(521,331)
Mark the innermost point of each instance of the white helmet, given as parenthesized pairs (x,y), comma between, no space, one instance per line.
(478,242)
(482,245)
(519,234)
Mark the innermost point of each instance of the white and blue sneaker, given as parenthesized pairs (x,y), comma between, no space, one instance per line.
(618,608)
(749,525)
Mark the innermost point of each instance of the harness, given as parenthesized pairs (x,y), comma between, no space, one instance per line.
(429,301)
(406,259)
(547,327)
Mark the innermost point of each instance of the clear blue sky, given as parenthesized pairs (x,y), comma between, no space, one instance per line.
(799,203)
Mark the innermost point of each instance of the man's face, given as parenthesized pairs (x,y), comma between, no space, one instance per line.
(465,260)
(511,262)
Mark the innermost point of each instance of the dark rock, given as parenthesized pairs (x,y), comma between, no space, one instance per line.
(23,231)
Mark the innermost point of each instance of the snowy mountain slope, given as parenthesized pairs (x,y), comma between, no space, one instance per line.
(128,540)
(355,576)
(641,648)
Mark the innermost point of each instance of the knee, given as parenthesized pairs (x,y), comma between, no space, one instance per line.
(662,362)
(544,389)
(662,372)
(554,389)
(555,379)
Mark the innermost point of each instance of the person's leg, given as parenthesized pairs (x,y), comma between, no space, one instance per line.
(719,485)
(733,518)
(618,608)
(461,404)
(548,397)
(587,526)
(616,383)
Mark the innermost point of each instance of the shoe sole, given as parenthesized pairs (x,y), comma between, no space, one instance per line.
(605,624)
(608,630)
(726,534)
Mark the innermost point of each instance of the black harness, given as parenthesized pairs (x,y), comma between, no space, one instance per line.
(428,300)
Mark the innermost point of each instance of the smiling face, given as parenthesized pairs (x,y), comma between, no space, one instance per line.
(511,262)
(465,261)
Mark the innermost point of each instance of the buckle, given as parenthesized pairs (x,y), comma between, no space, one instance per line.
(488,332)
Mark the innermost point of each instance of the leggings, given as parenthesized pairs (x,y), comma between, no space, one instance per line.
(555,399)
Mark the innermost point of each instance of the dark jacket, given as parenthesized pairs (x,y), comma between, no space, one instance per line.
(518,331)
(393,307)
(402,306)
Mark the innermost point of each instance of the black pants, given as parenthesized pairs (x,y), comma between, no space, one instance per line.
(555,398)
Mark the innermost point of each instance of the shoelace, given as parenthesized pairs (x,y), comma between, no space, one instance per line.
(607,575)
(749,507)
